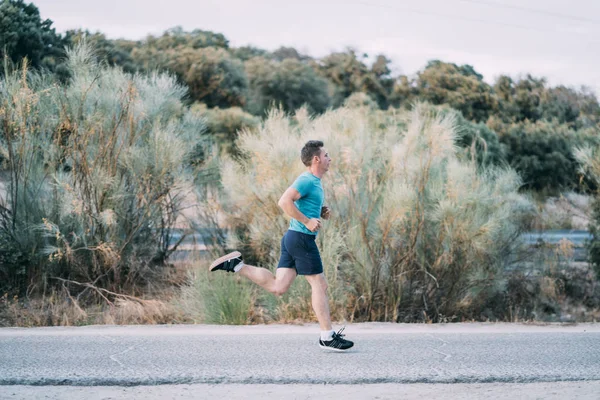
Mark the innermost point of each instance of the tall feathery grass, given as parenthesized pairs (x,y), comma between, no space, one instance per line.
(96,169)
(589,160)
(418,232)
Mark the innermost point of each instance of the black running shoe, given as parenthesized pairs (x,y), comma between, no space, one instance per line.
(227,262)
(337,343)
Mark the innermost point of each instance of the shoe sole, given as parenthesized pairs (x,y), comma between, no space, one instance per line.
(226,257)
(334,349)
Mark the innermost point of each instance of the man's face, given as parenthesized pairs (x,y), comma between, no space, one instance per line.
(324,160)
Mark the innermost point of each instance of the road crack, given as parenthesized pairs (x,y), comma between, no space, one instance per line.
(437,350)
(114,356)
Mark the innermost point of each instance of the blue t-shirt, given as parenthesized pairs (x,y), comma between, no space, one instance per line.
(310,201)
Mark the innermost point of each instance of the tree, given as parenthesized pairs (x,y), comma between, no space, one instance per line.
(528,97)
(224,126)
(24,34)
(360,100)
(113,52)
(458,86)
(212,75)
(577,108)
(289,52)
(504,88)
(289,84)
(177,37)
(201,60)
(381,66)
(519,100)
(542,153)
(245,53)
(403,91)
(350,75)
(480,139)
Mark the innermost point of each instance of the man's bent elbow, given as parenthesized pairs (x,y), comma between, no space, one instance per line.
(282,203)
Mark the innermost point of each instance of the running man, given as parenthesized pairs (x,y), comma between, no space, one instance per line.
(303,202)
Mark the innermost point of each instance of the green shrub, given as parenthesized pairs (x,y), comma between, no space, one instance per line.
(479,141)
(225,124)
(211,74)
(349,74)
(289,84)
(460,87)
(542,153)
(360,99)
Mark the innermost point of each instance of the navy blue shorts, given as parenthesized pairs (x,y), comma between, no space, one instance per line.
(299,251)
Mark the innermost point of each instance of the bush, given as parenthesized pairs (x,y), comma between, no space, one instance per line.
(349,74)
(417,233)
(542,153)
(461,87)
(360,99)
(212,75)
(289,84)
(225,124)
(97,171)
(480,142)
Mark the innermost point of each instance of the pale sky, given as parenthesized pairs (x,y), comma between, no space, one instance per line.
(557,39)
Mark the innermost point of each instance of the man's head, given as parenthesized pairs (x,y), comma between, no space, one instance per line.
(311,149)
(313,154)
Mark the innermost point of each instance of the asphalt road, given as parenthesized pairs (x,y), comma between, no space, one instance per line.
(288,354)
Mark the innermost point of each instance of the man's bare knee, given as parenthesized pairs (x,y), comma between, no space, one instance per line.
(283,280)
(318,283)
(322,286)
(280,290)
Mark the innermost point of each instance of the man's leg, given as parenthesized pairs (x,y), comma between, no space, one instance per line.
(277,284)
(320,301)
(330,340)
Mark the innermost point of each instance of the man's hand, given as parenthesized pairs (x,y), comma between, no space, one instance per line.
(313,224)
(325,212)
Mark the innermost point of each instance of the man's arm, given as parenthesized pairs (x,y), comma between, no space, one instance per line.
(286,202)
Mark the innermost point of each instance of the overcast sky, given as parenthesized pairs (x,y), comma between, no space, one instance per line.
(557,39)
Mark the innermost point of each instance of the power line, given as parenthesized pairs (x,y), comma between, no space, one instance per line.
(460,17)
(534,10)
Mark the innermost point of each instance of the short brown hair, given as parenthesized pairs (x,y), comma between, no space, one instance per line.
(311,148)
